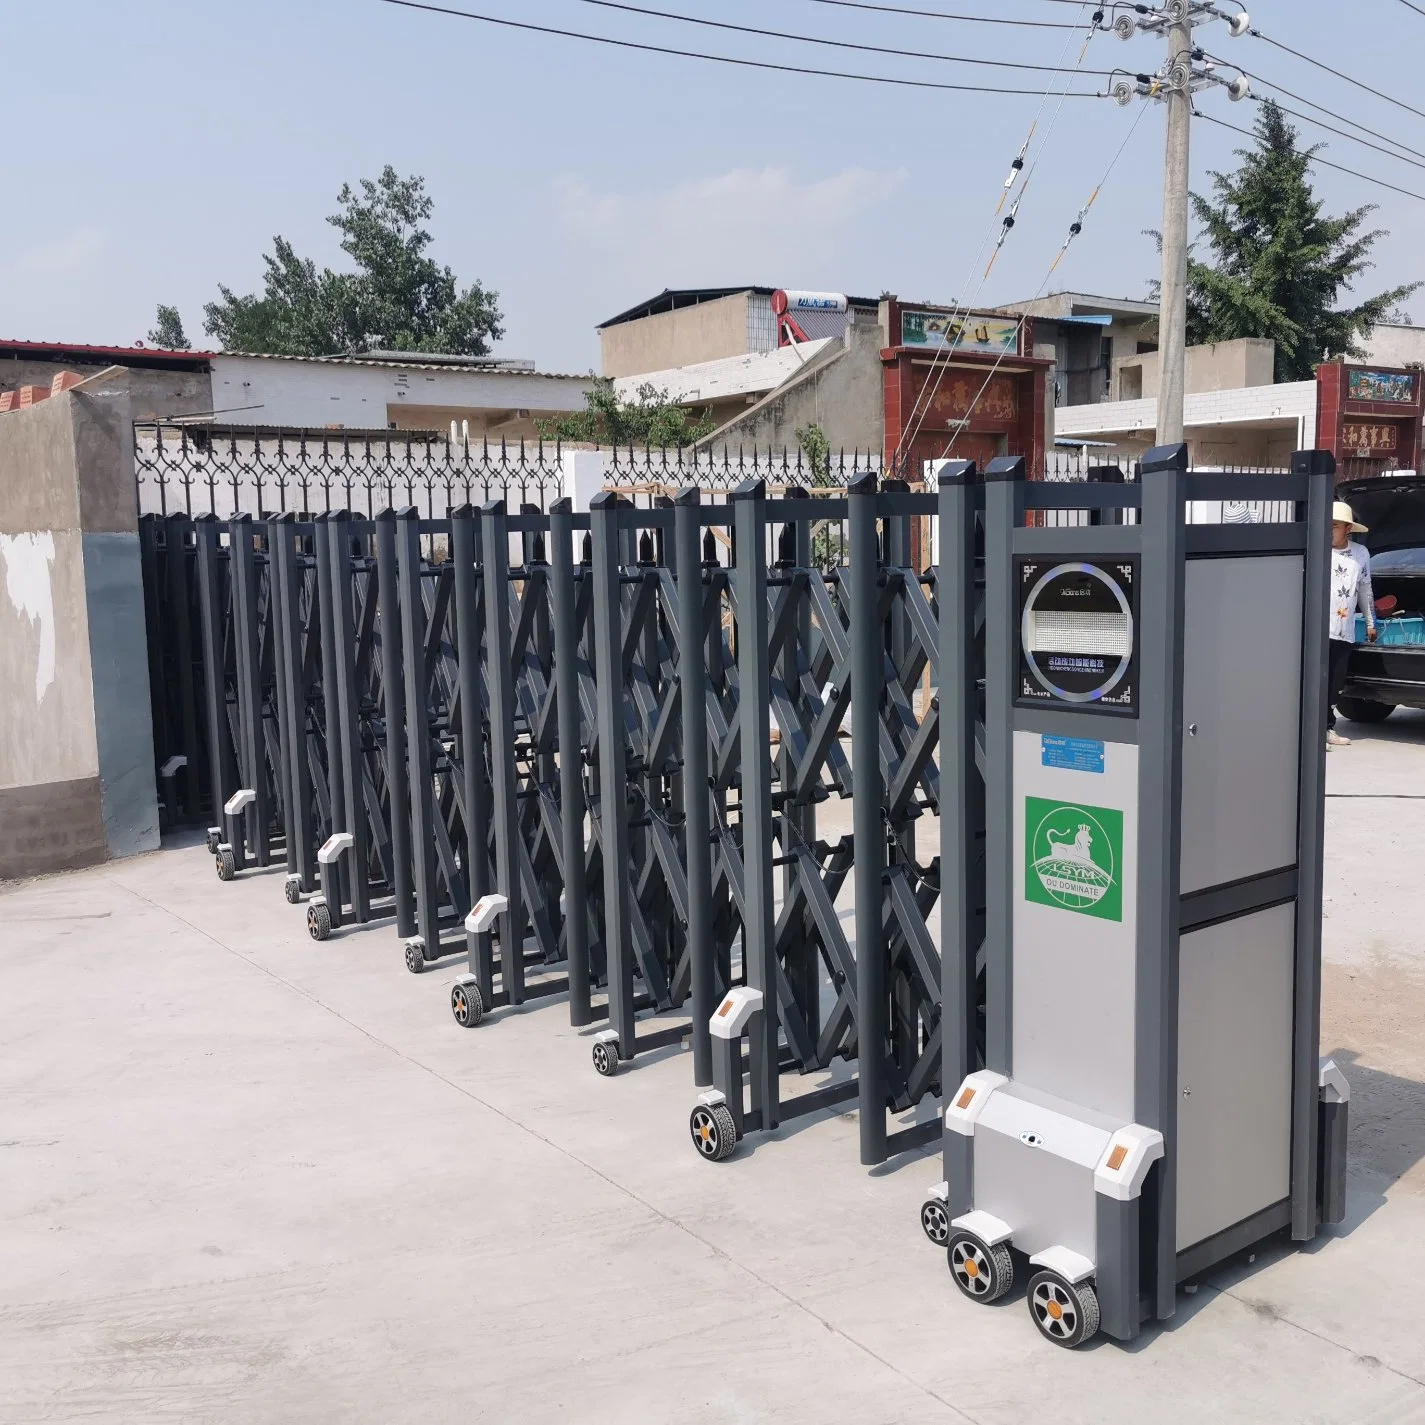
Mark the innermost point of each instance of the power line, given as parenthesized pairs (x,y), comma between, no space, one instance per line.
(729,59)
(1410,5)
(834,44)
(946,15)
(1331,129)
(1319,162)
(1311,103)
(1360,84)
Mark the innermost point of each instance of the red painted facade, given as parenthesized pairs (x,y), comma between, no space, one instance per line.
(1369,417)
(965,404)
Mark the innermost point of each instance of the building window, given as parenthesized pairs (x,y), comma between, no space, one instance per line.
(1130,383)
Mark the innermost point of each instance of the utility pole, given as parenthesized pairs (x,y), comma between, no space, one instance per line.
(1172,313)
(1186,71)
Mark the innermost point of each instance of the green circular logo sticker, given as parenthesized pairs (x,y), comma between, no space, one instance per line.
(1073,857)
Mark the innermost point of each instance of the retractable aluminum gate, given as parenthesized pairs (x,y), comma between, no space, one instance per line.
(687,762)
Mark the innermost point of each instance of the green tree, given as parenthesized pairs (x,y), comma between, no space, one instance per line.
(1279,263)
(398,298)
(817,449)
(649,419)
(167,330)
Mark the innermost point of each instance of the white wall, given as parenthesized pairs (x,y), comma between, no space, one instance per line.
(1391,345)
(278,391)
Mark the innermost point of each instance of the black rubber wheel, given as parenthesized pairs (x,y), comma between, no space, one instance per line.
(606,1058)
(319,920)
(467,1005)
(935,1221)
(1364,709)
(213,838)
(982,1273)
(226,863)
(1066,1315)
(714,1133)
(415,959)
(293,891)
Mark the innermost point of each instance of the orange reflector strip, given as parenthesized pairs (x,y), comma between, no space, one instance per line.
(1115,1158)
(964,1100)
(724,1009)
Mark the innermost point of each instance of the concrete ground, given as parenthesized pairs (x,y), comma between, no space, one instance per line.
(244,1177)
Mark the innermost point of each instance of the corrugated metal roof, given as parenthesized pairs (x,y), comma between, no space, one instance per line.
(110,355)
(415,365)
(748,375)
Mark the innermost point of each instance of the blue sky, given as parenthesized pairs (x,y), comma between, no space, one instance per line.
(155,146)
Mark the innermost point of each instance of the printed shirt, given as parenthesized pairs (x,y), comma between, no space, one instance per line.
(1350,590)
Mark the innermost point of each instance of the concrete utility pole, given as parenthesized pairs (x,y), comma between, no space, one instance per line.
(1172,314)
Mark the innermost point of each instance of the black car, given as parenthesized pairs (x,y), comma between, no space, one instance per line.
(1385,675)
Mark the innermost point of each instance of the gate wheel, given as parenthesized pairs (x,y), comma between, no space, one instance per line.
(935,1221)
(467,1005)
(982,1273)
(319,920)
(415,959)
(714,1133)
(293,891)
(1065,1314)
(226,863)
(606,1058)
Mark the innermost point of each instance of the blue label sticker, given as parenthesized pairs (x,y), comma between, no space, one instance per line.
(1073,754)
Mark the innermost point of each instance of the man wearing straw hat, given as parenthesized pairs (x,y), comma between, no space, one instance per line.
(1350,590)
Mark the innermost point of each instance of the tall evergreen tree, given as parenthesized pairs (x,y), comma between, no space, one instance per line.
(1279,263)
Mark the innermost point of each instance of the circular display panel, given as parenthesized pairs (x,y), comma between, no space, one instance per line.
(1076,632)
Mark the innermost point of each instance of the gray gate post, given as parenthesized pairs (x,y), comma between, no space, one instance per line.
(504,807)
(347,740)
(571,762)
(613,780)
(1160,764)
(868,660)
(291,688)
(1320,466)
(249,682)
(697,826)
(759,949)
(413,644)
(331,712)
(469,640)
(1004,511)
(393,694)
(960,800)
(221,774)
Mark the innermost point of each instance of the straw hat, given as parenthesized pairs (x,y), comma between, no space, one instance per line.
(1341,513)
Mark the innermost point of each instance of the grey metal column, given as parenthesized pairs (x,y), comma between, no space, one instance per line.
(177,527)
(249,681)
(413,643)
(759,949)
(331,711)
(613,778)
(215,698)
(348,739)
(1160,761)
(469,639)
(393,693)
(868,658)
(1004,510)
(279,546)
(1320,467)
(504,806)
(697,827)
(959,795)
(286,583)
(571,763)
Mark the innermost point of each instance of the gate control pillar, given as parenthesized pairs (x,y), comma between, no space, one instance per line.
(1152,1099)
